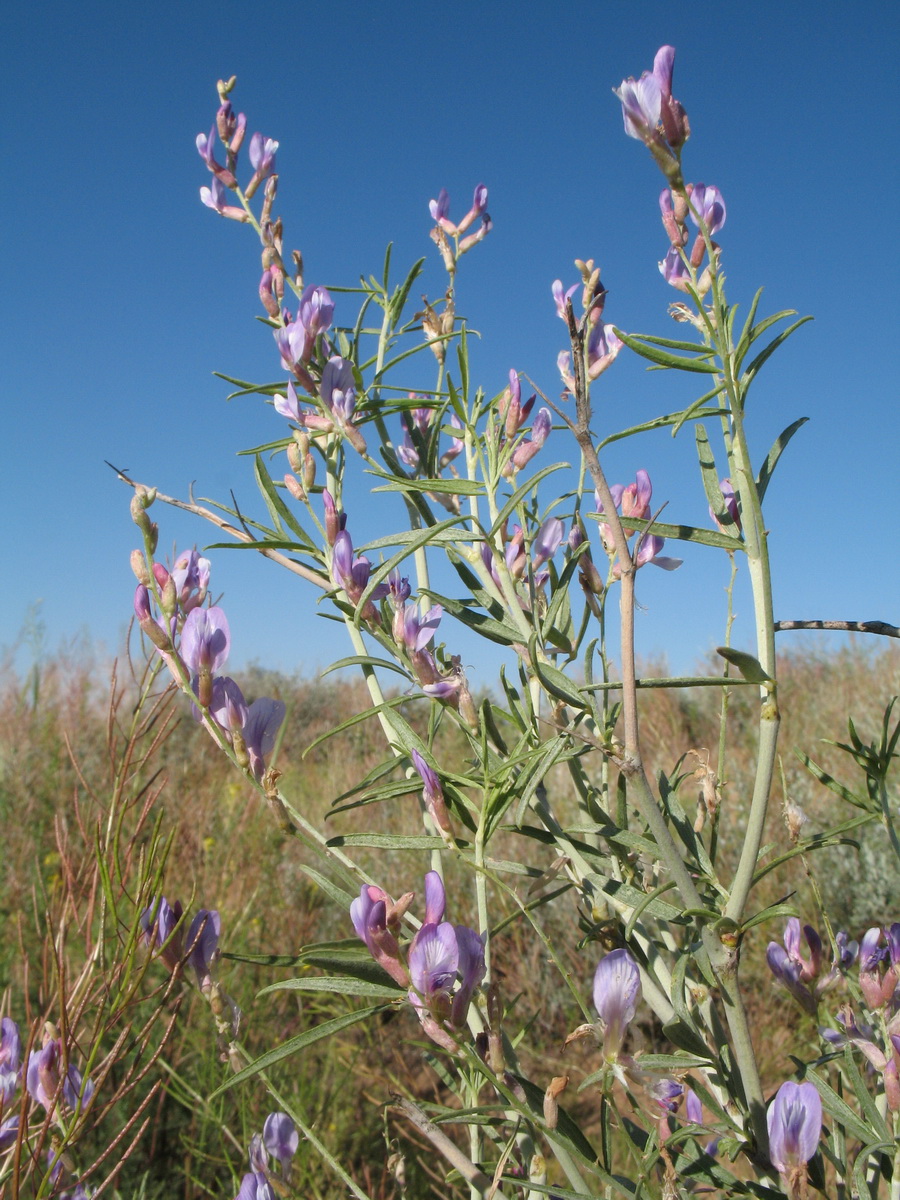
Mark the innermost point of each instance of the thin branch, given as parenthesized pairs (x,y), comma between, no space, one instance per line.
(880,627)
(448,1149)
(238,534)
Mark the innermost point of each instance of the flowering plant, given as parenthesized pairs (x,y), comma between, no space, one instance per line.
(553,760)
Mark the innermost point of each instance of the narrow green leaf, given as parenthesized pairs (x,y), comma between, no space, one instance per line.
(778,446)
(520,493)
(387,841)
(355,720)
(668,419)
(462,357)
(839,1109)
(711,484)
(555,681)
(494,630)
(365,660)
(300,1042)
(337,984)
(662,358)
(763,356)
(681,533)
(456,487)
(744,342)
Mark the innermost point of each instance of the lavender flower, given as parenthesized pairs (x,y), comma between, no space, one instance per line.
(42,1077)
(438,953)
(10,1060)
(675,270)
(617,990)
(255,1186)
(370,914)
(215,197)
(203,946)
(205,642)
(264,719)
(433,795)
(159,923)
(795,1125)
(206,146)
(652,115)
(297,338)
(561,298)
(707,205)
(280,1137)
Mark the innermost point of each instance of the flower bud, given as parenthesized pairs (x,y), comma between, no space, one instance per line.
(293,485)
(295,458)
(139,567)
(309,471)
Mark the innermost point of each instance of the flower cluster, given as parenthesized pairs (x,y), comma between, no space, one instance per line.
(801,976)
(633,500)
(513,416)
(653,115)
(195,642)
(51,1079)
(445,229)
(279,1140)
(706,209)
(231,129)
(444,963)
(603,343)
(518,560)
(163,931)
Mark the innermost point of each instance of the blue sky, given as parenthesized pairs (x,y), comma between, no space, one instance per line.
(124,293)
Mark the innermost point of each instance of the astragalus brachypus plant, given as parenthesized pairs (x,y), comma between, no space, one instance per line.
(539,571)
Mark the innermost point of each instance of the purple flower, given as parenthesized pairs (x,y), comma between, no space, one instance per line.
(9,1131)
(296,339)
(205,640)
(648,551)
(370,914)
(419,629)
(10,1060)
(440,208)
(548,541)
(634,499)
(338,388)
(215,197)
(203,945)
(675,270)
(227,706)
(255,1186)
(433,794)
(603,347)
(617,990)
(651,113)
(708,205)
(159,923)
(561,298)
(190,575)
(352,574)
(731,507)
(525,451)
(438,953)
(43,1078)
(795,1125)
(206,146)
(262,154)
(264,719)
(280,1137)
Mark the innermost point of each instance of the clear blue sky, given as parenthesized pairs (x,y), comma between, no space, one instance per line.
(123,293)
